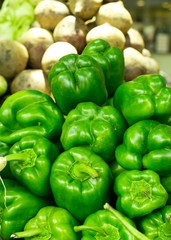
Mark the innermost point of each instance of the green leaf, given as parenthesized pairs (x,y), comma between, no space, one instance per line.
(15,18)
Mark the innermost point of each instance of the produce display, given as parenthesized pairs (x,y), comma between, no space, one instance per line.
(86,153)
(55,28)
(19,206)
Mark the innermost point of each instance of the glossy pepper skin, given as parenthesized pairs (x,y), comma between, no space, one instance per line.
(111,60)
(29,112)
(17,207)
(139,192)
(98,128)
(157,225)
(50,223)
(146,145)
(80,182)
(166,182)
(116,169)
(102,224)
(125,223)
(77,78)
(144,97)
(30,161)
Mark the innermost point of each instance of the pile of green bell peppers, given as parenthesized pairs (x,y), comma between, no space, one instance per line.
(94,161)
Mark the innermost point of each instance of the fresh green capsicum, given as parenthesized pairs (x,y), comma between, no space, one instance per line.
(126,223)
(99,128)
(166,182)
(77,78)
(146,145)
(144,97)
(80,181)
(139,192)
(111,60)
(102,224)
(157,225)
(116,169)
(29,112)
(50,223)
(17,206)
(30,161)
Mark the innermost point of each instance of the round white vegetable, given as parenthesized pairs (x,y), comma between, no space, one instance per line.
(109,33)
(134,39)
(135,64)
(146,52)
(48,13)
(36,40)
(116,14)
(152,66)
(73,30)
(13,58)
(54,53)
(84,9)
(30,79)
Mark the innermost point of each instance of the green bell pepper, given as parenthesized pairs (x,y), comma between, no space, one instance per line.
(109,102)
(126,223)
(77,78)
(29,112)
(4,149)
(116,169)
(102,224)
(157,225)
(99,128)
(144,97)
(50,223)
(139,192)
(111,60)
(166,182)
(80,182)
(30,161)
(17,206)
(146,145)
(169,199)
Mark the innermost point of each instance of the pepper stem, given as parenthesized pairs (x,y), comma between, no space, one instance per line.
(27,233)
(17,156)
(79,170)
(95,229)
(131,229)
(11,157)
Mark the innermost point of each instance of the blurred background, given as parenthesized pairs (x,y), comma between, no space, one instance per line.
(153,19)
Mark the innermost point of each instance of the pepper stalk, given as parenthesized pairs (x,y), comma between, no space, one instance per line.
(27,233)
(16,156)
(94,228)
(134,231)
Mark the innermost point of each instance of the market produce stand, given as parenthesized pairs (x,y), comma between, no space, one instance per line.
(85,153)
